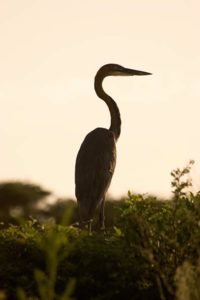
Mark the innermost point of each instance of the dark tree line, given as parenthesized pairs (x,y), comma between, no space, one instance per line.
(24,200)
(20,200)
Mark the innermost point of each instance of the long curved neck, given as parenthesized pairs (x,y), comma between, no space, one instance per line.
(115,125)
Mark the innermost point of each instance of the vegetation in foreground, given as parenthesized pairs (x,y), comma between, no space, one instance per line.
(149,251)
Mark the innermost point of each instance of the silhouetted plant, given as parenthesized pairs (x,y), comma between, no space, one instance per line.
(179,183)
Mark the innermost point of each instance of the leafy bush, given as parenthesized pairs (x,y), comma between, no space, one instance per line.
(151,252)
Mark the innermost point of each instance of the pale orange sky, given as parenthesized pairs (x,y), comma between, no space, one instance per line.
(49,54)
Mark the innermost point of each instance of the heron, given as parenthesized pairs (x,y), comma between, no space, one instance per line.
(96,158)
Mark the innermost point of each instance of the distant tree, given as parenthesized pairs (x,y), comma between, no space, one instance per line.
(19,199)
(59,209)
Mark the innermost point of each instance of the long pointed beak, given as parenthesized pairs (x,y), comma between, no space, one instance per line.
(135,72)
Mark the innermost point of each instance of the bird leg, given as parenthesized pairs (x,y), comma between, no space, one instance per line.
(86,225)
(101,215)
(90,226)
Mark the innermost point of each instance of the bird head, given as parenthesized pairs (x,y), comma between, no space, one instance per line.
(117,70)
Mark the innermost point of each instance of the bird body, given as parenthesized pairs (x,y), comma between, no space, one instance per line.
(96,162)
(96,159)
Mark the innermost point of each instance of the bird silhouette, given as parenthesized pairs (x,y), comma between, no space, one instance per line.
(96,159)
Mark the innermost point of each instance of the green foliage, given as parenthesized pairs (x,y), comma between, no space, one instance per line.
(138,259)
(30,256)
(150,250)
(188,281)
(55,247)
(180,180)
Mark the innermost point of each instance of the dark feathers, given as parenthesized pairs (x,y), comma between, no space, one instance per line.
(95,165)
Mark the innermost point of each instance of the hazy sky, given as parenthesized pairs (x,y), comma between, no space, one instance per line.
(49,54)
